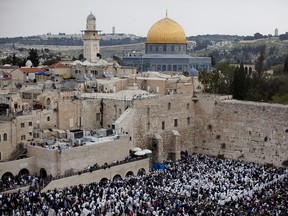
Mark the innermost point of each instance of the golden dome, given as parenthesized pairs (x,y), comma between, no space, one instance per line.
(166,30)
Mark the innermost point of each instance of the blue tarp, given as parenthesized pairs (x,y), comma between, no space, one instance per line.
(158,166)
(41,73)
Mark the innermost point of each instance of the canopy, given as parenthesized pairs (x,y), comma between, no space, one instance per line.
(136,149)
(139,153)
(147,151)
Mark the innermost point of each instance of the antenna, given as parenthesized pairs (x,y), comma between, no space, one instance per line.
(166,13)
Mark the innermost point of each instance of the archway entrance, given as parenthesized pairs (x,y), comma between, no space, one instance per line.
(23,173)
(128,174)
(117,178)
(43,173)
(141,172)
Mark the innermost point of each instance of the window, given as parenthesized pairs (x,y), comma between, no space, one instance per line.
(23,137)
(163,125)
(169,106)
(148,111)
(30,123)
(5,137)
(48,118)
(175,122)
(0,138)
(22,125)
(188,120)
(188,106)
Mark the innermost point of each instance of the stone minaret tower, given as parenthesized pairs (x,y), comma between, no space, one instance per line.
(91,39)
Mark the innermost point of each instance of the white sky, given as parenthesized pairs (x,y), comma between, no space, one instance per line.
(197,17)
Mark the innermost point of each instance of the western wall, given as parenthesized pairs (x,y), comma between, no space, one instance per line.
(241,130)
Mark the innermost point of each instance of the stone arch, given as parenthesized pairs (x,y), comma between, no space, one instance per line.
(5,137)
(103,181)
(129,173)
(7,175)
(141,172)
(174,67)
(117,178)
(42,173)
(23,172)
(285,163)
(48,101)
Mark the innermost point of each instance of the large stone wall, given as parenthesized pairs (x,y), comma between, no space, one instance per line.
(256,132)
(155,116)
(98,175)
(57,162)
(80,114)
(17,165)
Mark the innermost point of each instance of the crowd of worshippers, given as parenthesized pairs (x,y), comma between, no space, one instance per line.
(195,185)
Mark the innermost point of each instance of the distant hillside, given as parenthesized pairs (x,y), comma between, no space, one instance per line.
(73,40)
(106,39)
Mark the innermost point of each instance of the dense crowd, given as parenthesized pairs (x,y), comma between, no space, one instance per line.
(195,185)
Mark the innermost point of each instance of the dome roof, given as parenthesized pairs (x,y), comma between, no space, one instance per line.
(28,63)
(166,30)
(91,17)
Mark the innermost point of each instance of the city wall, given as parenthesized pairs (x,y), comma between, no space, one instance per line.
(256,132)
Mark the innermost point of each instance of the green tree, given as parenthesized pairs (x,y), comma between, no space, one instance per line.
(219,80)
(33,57)
(286,65)
(259,69)
(240,83)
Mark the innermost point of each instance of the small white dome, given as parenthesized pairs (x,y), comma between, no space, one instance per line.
(28,63)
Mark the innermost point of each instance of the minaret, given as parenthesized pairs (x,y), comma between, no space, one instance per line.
(91,39)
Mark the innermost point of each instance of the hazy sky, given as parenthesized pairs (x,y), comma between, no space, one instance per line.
(241,17)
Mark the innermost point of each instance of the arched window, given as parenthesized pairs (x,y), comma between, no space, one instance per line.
(169,106)
(5,137)
(48,101)
(188,105)
(148,111)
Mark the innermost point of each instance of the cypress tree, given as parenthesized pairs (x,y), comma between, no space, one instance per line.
(286,65)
